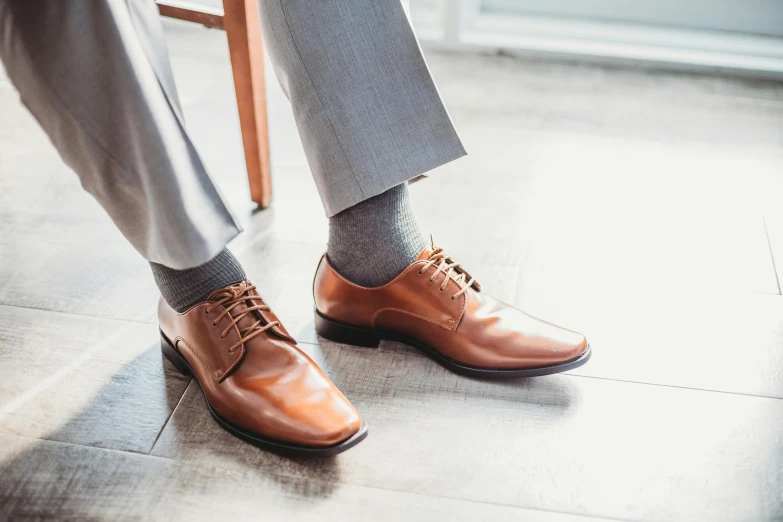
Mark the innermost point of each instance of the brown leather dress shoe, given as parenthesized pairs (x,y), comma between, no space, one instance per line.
(437,307)
(258,385)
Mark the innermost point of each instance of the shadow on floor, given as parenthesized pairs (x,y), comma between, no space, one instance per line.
(98,461)
(98,465)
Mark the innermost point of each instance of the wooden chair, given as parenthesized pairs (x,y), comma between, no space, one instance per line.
(239,18)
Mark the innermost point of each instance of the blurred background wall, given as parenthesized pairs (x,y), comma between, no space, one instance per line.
(739,36)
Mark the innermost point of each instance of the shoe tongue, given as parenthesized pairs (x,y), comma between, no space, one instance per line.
(425,254)
(236,290)
(247,320)
(251,299)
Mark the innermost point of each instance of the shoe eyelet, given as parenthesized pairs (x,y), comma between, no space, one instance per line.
(222,336)
(452,298)
(440,289)
(421,273)
(214,323)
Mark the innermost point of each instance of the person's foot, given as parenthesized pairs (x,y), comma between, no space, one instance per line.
(259,386)
(437,307)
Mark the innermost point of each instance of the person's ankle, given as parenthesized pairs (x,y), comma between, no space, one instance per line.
(373,241)
(183,289)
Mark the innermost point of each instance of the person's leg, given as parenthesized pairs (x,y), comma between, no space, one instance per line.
(370,118)
(96,75)
(184,288)
(373,241)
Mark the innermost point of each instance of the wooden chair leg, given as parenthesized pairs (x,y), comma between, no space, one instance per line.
(243,28)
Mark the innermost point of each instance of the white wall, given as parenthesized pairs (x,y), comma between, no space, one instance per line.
(761,17)
(738,36)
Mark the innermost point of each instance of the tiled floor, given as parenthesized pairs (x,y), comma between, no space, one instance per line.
(637,206)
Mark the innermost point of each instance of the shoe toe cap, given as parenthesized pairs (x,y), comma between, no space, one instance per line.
(338,434)
(332,428)
(503,336)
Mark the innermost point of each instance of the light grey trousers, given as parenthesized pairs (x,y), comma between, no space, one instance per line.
(96,76)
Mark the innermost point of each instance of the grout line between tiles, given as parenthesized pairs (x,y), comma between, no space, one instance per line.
(771,253)
(160,432)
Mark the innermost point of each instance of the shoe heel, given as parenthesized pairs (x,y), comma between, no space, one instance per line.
(345,334)
(173,356)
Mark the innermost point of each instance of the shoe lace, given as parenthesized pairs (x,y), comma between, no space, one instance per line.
(447,266)
(231,297)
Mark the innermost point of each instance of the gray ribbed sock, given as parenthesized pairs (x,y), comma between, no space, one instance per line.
(184,288)
(372,242)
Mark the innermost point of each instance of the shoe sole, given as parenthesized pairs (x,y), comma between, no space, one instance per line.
(277,446)
(360,336)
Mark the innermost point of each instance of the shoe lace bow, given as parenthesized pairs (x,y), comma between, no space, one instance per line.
(230,298)
(446,265)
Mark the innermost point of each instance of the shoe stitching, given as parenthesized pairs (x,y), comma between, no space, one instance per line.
(450,325)
(176,345)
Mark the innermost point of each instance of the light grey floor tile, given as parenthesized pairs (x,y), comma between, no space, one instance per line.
(42,480)
(563,443)
(84,380)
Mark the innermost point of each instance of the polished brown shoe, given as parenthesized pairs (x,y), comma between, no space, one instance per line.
(436,306)
(258,385)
